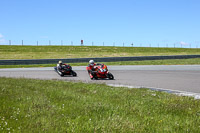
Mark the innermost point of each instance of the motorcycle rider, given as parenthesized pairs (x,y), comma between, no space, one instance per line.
(91,68)
(60,67)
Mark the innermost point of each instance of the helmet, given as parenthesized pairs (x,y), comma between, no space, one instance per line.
(91,62)
(60,62)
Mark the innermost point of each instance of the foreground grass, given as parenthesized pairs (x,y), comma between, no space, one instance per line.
(195,61)
(56,106)
(52,52)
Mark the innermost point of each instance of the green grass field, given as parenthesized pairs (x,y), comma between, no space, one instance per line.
(54,52)
(28,105)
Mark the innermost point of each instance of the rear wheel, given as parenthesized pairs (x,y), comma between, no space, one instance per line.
(110,76)
(95,77)
(60,73)
(73,73)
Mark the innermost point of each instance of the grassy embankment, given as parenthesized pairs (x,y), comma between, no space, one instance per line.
(50,52)
(28,105)
(54,52)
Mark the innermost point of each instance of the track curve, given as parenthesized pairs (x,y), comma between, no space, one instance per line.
(173,77)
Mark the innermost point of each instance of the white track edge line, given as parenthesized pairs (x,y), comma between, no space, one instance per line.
(176,92)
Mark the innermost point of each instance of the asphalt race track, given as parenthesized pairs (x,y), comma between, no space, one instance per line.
(173,77)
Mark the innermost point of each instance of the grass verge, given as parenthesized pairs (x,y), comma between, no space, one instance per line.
(28,105)
(54,52)
(195,61)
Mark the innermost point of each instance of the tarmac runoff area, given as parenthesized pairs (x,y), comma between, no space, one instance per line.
(177,79)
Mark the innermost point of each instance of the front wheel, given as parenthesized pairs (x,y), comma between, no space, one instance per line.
(110,76)
(73,73)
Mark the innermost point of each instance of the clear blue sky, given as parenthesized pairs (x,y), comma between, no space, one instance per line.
(141,22)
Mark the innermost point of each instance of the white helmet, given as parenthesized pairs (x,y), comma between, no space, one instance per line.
(60,62)
(91,62)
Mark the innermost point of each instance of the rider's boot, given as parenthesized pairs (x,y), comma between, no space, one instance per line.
(91,76)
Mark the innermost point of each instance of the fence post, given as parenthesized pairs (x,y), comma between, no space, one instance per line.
(9,42)
(49,42)
(103,43)
(132,44)
(61,42)
(22,42)
(37,43)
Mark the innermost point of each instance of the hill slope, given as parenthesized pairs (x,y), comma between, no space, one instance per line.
(53,52)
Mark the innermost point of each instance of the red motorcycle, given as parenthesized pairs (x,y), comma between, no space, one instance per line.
(100,71)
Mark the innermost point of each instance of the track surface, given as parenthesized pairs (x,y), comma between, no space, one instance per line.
(178,77)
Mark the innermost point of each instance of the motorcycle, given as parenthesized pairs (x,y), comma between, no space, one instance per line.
(66,70)
(100,71)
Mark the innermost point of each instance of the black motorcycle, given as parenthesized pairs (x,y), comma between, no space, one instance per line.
(65,70)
